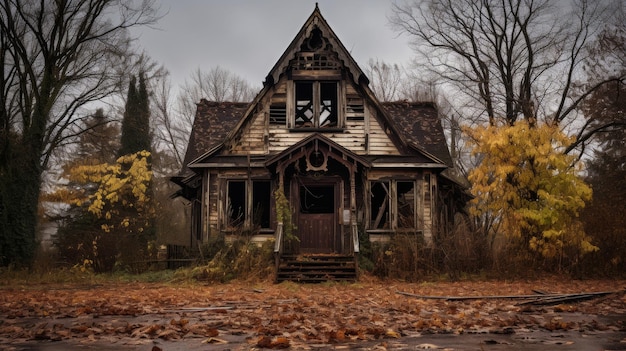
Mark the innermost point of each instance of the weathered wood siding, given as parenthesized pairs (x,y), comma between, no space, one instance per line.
(362,133)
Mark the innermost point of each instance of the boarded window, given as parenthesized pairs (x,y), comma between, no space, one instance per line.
(355,111)
(379,206)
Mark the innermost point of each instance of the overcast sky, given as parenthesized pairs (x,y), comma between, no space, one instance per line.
(247,37)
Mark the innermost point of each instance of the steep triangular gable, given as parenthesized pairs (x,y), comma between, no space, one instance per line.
(349,67)
(387,118)
(315,21)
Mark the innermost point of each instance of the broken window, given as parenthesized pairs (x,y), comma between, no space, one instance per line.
(304,105)
(316,104)
(393,205)
(328,104)
(379,205)
(261,195)
(405,203)
(237,200)
(317,199)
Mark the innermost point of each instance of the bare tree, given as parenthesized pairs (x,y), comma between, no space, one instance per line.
(217,84)
(171,130)
(386,80)
(514,59)
(56,57)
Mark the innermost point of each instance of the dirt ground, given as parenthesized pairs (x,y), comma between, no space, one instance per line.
(369,315)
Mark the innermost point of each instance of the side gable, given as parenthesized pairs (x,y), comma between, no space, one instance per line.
(212,123)
(420,126)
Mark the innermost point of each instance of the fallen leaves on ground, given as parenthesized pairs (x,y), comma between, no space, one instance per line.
(284,315)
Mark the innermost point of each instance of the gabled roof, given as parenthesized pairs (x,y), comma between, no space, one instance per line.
(316,20)
(419,125)
(213,122)
(415,125)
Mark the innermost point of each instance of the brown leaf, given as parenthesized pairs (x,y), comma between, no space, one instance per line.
(179,323)
(280,343)
(264,342)
(168,334)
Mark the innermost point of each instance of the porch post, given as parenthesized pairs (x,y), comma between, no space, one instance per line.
(353,225)
(278,244)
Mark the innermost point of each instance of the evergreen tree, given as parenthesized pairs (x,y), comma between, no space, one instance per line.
(137,138)
(136,134)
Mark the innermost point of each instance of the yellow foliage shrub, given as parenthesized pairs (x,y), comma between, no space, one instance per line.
(530,186)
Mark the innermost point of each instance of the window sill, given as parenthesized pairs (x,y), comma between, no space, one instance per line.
(319,130)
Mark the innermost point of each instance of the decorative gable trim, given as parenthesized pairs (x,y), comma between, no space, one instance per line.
(311,139)
(315,22)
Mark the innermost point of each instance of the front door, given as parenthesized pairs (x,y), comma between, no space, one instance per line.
(316,217)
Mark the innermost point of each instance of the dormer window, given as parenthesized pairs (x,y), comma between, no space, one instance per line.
(316,104)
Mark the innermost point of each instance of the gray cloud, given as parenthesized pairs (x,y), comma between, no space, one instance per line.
(248,36)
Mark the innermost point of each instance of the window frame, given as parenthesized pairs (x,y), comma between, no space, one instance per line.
(249,205)
(393,212)
(317,106)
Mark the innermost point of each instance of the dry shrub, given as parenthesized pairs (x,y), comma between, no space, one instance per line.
(460,250)
(456,251)
(400,258)
(242,259)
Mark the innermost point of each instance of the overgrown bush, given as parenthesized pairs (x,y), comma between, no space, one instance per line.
(77,243)
(241,259)
(400,258)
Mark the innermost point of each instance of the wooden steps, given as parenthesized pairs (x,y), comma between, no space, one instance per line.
(316,268)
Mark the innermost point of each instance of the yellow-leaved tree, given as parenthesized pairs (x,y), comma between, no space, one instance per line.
(531,188)
(120,206)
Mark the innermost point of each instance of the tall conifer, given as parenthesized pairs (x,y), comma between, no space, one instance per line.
(136,134)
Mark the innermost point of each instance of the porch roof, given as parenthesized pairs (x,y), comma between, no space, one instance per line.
(317,137)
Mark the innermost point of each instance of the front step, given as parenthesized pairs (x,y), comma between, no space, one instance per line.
(316,268)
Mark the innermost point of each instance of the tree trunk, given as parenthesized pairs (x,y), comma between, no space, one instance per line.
(20,182)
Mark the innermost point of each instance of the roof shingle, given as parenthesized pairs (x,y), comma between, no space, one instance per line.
(419,124)
(213,122)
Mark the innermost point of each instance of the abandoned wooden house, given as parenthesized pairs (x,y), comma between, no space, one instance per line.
(345,162)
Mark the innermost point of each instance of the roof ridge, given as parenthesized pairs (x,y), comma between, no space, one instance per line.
(410,103)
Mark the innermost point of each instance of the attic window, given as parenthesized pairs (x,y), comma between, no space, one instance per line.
(316,104)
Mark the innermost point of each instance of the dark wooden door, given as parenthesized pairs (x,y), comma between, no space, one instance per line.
(316,217)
